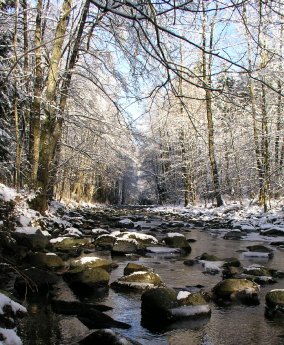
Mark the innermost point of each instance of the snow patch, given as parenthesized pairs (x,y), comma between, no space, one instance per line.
(87,259)
(58,239)
(10,337)
(6,193)
(4,300)
(187,311)
(174,234)
(183,295)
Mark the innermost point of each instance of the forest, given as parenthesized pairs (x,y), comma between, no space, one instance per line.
(142,102)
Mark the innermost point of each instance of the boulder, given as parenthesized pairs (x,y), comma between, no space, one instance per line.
(107,337)
(165,305)
(242,290)
(125,246)
(105,241)
(87,279)
(234,235)
(275,303)
(140,280)
(33,241)
(35,280)
(132,267)
(177,240)
(142,239)
(69,243)
(259,248)
(90,261)
(10,311)
(125,223)
(46,260)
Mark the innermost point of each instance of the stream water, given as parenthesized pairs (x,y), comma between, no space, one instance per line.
(230,325)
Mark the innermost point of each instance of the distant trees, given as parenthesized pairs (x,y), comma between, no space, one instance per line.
(210,77)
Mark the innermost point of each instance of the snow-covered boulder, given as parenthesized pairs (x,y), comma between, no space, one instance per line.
(165,305)
(30,237)
(142,239)
(125,246)
(132,267)
(105,241)
(67,243)
(125,223)
(177,240)
(90,261)
(140,280)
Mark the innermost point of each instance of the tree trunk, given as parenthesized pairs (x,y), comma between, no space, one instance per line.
(207,64)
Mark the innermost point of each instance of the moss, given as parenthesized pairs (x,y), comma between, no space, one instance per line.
(133,267)
(275,298)
(194,299)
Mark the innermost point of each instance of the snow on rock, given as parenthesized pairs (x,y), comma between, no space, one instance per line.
(257,255)
(212,266)
(73,232)
(28,230)
(174,234)
(9,337)
(187,311)
(6,193)
(87,259)
(15,307)
(183,295)
(163,250)
(58,239)
(139,237)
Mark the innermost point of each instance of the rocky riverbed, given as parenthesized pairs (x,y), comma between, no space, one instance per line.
(141,275)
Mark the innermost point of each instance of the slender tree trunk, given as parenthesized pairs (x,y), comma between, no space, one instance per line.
(207,64)
(36,106)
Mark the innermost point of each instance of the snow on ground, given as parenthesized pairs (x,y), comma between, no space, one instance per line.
(6,193)
(16,307)
(10,337)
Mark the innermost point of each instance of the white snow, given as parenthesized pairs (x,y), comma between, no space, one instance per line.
(183,295)
(125,221)
(212,265)
(174,234)
(187,311)
(163,250)
(87,259)
(28,230)
(130,240)
(4,300)
(74,232)
(24,220)
(256,254)
(139,236)
(10,337)
(58,239)
(6,193)
(51,254)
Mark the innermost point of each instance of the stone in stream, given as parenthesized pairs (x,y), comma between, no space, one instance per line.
(107,337)
(132,267)
(33,240)
(177,240)
(125,223)
(242,290)
(165,305)
(69,243)
(275,303)
(124,246)
(259,248)
(139,280)
(46,260)
(105,241)
(90,261)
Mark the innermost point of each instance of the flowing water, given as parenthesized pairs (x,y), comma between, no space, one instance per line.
(230,325)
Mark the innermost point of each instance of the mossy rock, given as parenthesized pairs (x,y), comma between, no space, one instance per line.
(46,260)
(158,301)
(275,298)
(177,242)
(132,267)
(90,261)
(69,243)
(89,278)
(196,298)
(259,248)
(34,242)
(142,277)
(105,241)
(236,289)
(257,271)
(124,246)
(209,257)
